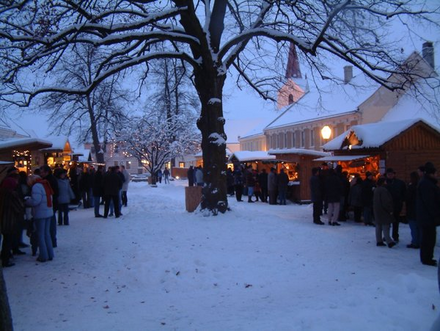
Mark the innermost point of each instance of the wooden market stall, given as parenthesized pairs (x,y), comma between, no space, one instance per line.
(297,163)
(401,145)
(23,152)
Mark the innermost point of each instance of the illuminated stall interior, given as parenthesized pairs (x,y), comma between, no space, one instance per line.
(400,145)
(60,154)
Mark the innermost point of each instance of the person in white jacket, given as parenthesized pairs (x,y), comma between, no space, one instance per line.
(42,211)
(124,190)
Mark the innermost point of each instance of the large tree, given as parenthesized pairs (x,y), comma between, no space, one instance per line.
(212,36)
(95,115)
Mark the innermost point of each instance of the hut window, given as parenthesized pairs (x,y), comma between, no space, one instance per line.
(303,138)
(293,139)
(312,137)
(290,99)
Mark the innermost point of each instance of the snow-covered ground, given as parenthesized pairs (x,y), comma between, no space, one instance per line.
(258,267)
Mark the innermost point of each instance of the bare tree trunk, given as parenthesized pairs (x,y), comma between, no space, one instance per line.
(211,125)
(5,310)
(94,131)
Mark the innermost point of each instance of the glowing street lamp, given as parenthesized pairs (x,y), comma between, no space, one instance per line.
(326,132)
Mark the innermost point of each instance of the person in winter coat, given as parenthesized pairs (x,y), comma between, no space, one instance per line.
(42,211)
(333,187)
(230,181)
(323,176)
(343,206)
(23,190)
(112,184)
(282,182)
(262,180)
(127,178)
(11,215)
(166,175)
(190,175)
(85,186)
(159,176)
(411,195)
(74,182)
(428,213)
(238,181)
(199,176)
(383,213)
(65,195)
(250,182)
(368,187)
(98,189)
(257,188)
(46,173)
(272,186)
(316,193)
(355,198)
(397,189)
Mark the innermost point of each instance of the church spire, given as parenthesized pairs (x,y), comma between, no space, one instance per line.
(292,70)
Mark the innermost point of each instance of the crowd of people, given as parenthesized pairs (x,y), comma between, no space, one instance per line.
(31,204)
(383,203)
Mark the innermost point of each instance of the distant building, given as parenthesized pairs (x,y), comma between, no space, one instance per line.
(306,109)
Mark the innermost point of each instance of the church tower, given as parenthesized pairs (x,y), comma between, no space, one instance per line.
(291,91)
(293,70)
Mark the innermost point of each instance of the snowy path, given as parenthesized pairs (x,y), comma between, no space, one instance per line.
(259,267)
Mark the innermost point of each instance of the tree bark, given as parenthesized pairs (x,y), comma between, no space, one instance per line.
(211,124)
(5,310)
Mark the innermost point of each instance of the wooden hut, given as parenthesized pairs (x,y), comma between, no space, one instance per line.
(23,152)
(300,162)
(401,145)
(297,164)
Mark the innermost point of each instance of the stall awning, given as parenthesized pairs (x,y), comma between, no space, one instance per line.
(341,158)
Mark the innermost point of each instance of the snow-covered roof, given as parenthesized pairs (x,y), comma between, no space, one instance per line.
(421,101)
(82,153)
(24,142)
(373,135)
(298,151)
(325,101)
(244,156)
(58,143)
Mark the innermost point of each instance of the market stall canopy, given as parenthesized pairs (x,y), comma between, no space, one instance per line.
(248,156)
(298,151)
(24,143)
(342,158)
(373,135)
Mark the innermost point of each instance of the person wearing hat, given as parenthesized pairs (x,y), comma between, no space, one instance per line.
(428,213)
(397,188)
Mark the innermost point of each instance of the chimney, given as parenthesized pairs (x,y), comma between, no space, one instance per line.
(348,74)
(428,53)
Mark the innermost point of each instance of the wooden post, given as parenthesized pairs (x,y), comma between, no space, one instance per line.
(193,197)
